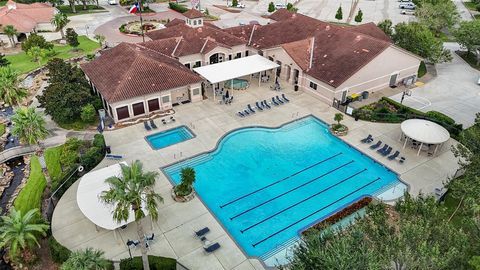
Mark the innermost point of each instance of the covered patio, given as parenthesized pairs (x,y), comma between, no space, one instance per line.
(423,135)
(231,72)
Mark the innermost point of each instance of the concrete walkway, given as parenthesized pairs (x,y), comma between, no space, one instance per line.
(453,92)
(209,121)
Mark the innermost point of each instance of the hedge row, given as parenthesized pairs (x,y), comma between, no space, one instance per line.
(177,7)
(354,207)
(156,263)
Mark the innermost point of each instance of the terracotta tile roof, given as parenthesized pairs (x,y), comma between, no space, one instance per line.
(131,70)
(193,39)
(25,17)
(175,22)
(242,31)
(337,54)
(372,30)
(281,14)
(193,14)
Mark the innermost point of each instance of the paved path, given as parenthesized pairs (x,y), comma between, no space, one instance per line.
(454,91)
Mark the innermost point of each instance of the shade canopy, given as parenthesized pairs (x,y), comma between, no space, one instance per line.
(425,131)
(236,68)
(89,189)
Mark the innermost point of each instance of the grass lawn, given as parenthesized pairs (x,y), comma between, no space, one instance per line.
(470,58)
(52,158)
(79,124)
(79,8)
(2,129)
(24,64)
(30,196)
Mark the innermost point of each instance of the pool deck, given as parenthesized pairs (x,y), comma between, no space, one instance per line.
(210,121)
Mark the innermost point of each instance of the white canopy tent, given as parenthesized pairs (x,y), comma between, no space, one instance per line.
(425,132)
(236,68)
(89,189)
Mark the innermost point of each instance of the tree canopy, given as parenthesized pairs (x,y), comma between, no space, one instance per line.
(10,90)
(438,16)
(35,40)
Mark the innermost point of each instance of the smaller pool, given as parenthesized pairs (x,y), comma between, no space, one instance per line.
(169,137)
(237,84)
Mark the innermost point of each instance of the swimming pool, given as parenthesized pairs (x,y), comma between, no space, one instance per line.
(266,185)
(169,137)
(237,84)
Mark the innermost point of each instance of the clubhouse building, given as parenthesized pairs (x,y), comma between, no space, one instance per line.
(325,60)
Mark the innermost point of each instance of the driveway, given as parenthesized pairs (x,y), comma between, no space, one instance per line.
(453,92)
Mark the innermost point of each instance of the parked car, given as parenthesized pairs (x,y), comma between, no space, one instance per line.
(404,0)
(279,6)
(239,5)
(408,5)
(112,2)
(407,12)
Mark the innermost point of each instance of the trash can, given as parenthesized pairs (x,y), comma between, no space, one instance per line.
(365,94)
(108,150)
(295,88)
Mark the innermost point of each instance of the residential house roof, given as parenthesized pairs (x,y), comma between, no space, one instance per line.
(25,17)
(131,70)
(193,14)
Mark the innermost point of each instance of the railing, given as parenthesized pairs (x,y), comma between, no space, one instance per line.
(16,152)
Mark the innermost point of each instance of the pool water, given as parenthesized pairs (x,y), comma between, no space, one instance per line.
(266,185)
(237,84)
(169,137)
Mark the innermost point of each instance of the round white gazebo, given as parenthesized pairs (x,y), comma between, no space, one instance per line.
(423,133)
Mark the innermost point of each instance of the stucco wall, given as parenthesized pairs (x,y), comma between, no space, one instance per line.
(45,27)
(376,74)
(288,65)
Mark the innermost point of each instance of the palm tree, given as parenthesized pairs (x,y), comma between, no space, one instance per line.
(29,126)
(60,20)
(37,54)
(10,91)
(133,190)
(11,33)
(88,259)
(21,231)
(187,176)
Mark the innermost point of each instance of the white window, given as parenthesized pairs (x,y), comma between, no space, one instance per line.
(166,99)
(196,91)
(313,85)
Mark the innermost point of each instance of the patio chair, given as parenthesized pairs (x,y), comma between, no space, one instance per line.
(202,232)
(383,149)
(285,98)
(250,109)
(211,248)
(240,114)
(266,104)
(274,102)
(132,243)
(279,100)
(375,146)
(387,152)
(258,106)
(172,119)
(147,127)
(394,156)
(402,160)
(368,139)
(152,123)
(149,238)
(164,121)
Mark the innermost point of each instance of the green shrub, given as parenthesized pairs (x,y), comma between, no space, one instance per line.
(271,7)
(99,141)
(2,129)
(422,70)
(91,158)
(52,159)
(88,113)
(30,197)
(440,117)
(156,263)
(58,252)
(122,28)
(177,7)
(97,103)
(70,149)
(35,40)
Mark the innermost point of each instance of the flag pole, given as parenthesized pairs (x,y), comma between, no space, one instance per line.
(141,20)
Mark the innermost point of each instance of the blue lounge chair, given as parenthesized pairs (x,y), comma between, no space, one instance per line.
(202,232)
(246,112)
(172,119)
(250,109)
(394,156)
(279,100)
(164,121)
(375,146)
(258,106)
(212,247)
(266,104)
(240,114)
(147,127)
(116,157)
(387,152)
(285,98)
(383,149)
(274,102)
(368,139)
(152,123)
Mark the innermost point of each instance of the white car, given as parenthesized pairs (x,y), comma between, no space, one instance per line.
(279,6)
(404,0)
(408,5)
(112,2)
(407,12)
(239,5)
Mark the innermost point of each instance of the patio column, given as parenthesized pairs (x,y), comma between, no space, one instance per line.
(420,149)
(259,77)
(213,89)
(405,144)
(435,151)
